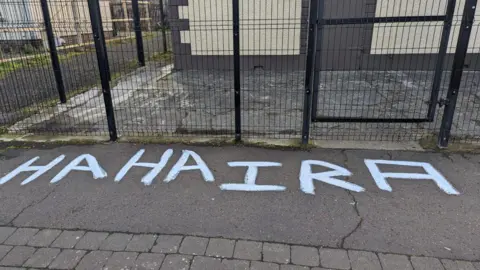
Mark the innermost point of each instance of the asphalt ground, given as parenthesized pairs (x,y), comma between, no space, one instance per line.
(416,218)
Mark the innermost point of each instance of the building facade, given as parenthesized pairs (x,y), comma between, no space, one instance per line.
(273,34)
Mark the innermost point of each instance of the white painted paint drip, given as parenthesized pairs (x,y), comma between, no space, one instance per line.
(92,166)
(432,174)
(251,177)
(26,167)
(180,166)
(307,176)
(156,167)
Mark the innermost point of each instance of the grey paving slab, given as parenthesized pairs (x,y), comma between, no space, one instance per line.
(277,253)
(94,260)
(5,232)
(149,261)
(67,259)
(302,255)
(206,263)
(4,250)
(17,256)
(426,263)
(457,265)
(477,265)
(116,242)
(20,237)
(42,257)
(67,239)
(293,267)
(12,268)
(363,260)
(44,238)
(218,247)
(91,240)
(122,260)
(167,244)
(334,258)
(194,245)
(255,265)
(176,262)
(248,250)
(395,262)
(141,243)
(233,264)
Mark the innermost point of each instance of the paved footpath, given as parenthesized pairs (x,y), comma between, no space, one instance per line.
(130,206)
(28,248)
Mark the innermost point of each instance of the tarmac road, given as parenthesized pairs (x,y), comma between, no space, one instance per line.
(416,218)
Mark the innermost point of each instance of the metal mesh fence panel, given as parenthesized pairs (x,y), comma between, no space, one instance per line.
(381,71)
(186,94)
(377,68)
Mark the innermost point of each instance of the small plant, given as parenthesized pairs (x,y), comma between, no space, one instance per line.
(28,49)
(165,57)
(7,67)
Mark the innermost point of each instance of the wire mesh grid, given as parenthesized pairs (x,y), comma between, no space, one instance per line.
(377,74)
(30,84)
(273,50)
(379,70)
(162,99)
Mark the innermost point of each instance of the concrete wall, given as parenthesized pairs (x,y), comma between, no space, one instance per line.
(418,37)
(267,27)
(273,35)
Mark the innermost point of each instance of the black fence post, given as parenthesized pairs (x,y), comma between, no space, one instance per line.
(318,60)
(310,69)
(236,69)
(163,26)
(53,51)
(94,10)
(104,44)
(457,71)
(138,32)
(442,52)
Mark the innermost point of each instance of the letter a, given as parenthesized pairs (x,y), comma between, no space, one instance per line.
(93,166)
(180,166)
(432,174)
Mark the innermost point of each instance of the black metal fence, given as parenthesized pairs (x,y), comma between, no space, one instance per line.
(303,69)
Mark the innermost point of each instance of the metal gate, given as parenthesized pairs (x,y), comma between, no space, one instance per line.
(440,56)
(353,83)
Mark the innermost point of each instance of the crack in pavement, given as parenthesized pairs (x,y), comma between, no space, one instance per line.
(354,205)
(447,156)
(390,155)
(10,223)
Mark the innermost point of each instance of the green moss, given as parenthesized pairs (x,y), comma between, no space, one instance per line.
(165,57)
(35,61)
(431,143)
(7,67)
